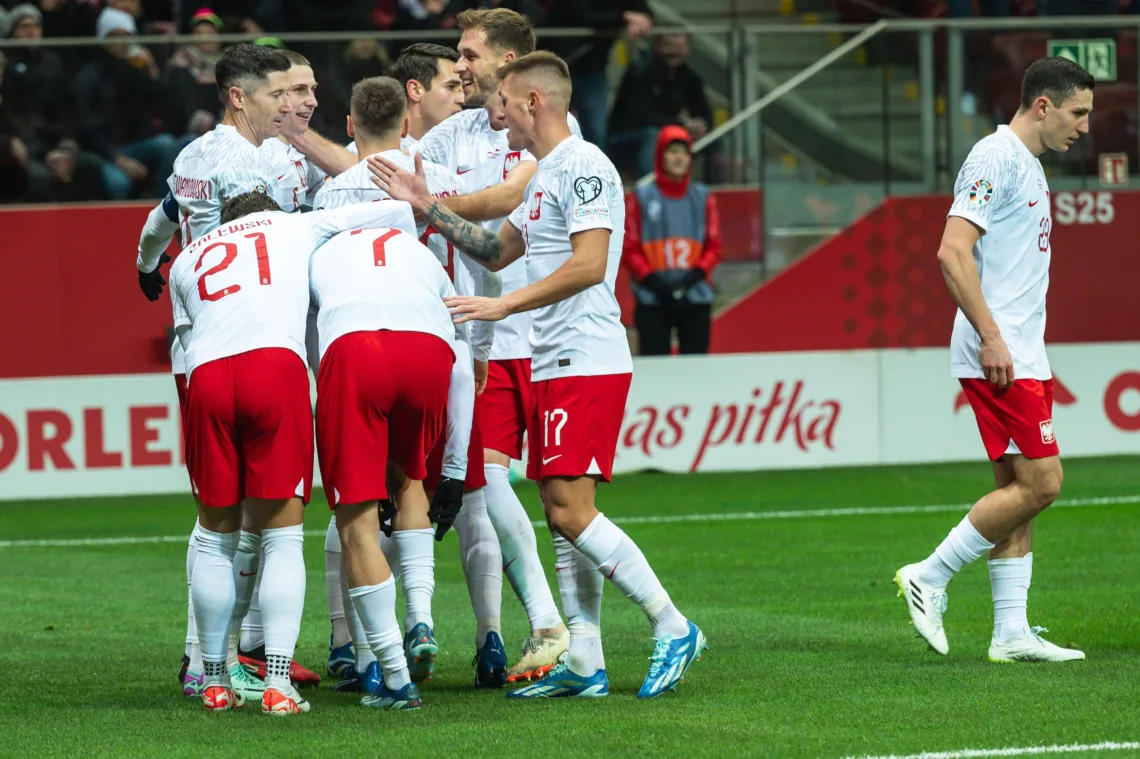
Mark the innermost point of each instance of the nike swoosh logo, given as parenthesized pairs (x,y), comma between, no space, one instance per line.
(280,177)
(611,574)
(463,171)
(546,461)
(243,573)
(508,564)
(1033,203)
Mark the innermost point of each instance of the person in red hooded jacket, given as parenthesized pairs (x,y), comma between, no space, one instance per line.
(672,245)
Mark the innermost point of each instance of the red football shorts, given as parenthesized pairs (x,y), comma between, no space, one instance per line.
(1018,419)
(475,478)
(575,426)
(506,405)
(380,396)
(249,428)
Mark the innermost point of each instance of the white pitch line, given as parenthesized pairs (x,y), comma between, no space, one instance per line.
(977,753)
(730,516)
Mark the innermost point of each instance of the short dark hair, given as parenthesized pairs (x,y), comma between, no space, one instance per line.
(421,63)
(1056,78)
(505,29)
(295,58)
(255,201)
(378,105)
(248,66)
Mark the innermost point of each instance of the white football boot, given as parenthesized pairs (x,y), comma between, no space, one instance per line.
(1030,646)
(926,606)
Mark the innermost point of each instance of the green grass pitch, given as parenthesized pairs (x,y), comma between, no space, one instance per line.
(812,655)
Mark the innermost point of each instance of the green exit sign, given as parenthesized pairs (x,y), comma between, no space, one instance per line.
(1097,56)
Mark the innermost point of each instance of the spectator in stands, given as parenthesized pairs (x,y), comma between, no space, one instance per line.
(68,18)
(658,90)
(34,93)
(190,72)
(122,103)
(589,58)
(672,244)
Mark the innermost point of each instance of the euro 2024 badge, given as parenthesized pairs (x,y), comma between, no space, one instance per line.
(981,191)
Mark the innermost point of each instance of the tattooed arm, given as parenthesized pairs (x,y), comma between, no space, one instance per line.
(493,251)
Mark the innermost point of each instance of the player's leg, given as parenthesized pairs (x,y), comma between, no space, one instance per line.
(482,563)
(415,541)
(372,591)
(574,438)
(503,410)
(277,451)
(341,653)
(1011,571)
(993,518)
(213,459)
(247,562)
(282,595)
(190,673)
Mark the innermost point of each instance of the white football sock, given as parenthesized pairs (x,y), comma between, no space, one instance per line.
(246,562)
(621,562)
(417,565)
(580,585)
(376,606)
(283,590)
(252,627)
(962,546)
(482,565)
(519,547)
(191,628)
(360,647)
(1009,580)
(213,588)
(340,632)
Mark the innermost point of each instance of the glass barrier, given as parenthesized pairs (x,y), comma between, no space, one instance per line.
(833,148)
(990,63)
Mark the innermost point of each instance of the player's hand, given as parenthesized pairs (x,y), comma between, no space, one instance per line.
(151,283)
(445,505)
(481,372)
(387,515)
(466,308)
(400,183)
(997,364)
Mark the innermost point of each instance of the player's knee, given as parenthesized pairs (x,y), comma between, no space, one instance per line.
(1046,488)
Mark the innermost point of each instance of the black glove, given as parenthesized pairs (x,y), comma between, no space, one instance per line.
(691,278)
(655,283)
(445,505)
(151,283)
(387,516)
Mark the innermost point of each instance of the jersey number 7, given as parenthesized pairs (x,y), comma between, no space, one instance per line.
(231,250)
(379,256)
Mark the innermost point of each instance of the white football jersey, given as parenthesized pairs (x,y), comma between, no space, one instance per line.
(409,144)
(466,144)
(575,189)
(469,278)
(245,285)
(209,171)
(1001,188)
(295,178)
(378,279)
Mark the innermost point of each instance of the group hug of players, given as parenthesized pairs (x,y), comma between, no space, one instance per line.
(475,303)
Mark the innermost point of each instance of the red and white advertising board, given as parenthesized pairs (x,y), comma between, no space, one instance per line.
(80,436)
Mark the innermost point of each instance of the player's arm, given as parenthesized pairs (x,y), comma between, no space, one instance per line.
(157,233)
(494,251)
(956,257)
(497,201)
(460,409)
(331,158)
(388,214)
